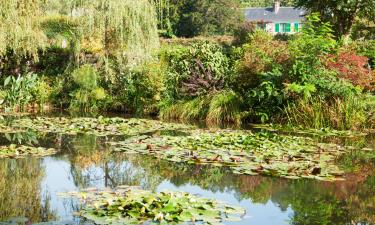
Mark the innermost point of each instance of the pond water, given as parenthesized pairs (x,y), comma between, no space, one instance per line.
(30,187)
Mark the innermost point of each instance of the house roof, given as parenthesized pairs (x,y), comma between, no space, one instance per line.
(285,14)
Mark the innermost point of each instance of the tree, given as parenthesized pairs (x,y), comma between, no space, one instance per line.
(264,3)
(207,17)
(126,29)
(341,13)
(20,30)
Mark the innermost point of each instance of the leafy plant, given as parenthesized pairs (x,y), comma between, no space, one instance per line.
(201,81)
(18,91)
(88,93)
(353,68)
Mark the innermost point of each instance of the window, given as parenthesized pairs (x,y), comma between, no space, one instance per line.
(296,27)
(283,27)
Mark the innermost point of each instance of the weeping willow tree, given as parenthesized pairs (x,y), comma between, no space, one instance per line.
(163,12)
(126,29)
(20,30)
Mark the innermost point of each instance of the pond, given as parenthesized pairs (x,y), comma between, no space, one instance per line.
(31,187)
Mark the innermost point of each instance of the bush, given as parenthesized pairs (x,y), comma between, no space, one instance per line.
(367,49)
(242,34)
(139,90)
(195,70)
(87,94)
(353,68)
(225,107)
(18,91)
(260,56)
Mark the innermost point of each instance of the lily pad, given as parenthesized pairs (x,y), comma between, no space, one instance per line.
(136,206)
(21,151)
(244,152)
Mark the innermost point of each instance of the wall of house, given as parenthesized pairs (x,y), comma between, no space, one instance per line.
(271,28)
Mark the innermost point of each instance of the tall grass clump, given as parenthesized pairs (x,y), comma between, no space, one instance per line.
(225,107)
(214,109)
(187,110)
(350,113)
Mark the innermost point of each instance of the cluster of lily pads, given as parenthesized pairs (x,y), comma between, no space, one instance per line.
(97,126)
(323,132)
(129,205)
(244,152)
(21,151)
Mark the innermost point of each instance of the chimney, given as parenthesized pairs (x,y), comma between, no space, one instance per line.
(276,6)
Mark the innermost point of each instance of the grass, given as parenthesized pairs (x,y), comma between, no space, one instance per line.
(351,113)
(215,109)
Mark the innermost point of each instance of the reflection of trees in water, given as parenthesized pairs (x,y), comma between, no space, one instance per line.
(20,190)
(93,165)
(313,202)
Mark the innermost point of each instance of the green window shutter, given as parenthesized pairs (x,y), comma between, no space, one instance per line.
(277,28)
(283,27)
(296,27)
(287,28)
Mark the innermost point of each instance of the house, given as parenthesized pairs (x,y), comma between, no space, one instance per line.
(277,19)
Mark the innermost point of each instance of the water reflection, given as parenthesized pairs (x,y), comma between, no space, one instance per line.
(29,187)
(20,191)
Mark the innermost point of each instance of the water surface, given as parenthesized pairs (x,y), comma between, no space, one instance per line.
(29,187)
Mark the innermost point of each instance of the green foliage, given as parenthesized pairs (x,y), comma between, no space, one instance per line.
(242,34)
(351,113)
(20,30)
(137,206)
(225,107)
(260,74)
(139,90)
(202,61)
(18,91)
(126,29)
(207,17)
(366,48)
(217,108)
(87,94)
(310,51)
(341,13)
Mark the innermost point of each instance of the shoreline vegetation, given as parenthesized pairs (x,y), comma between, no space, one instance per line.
(306,100)
(242,75)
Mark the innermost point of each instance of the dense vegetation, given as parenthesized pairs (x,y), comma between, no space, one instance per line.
(105,55)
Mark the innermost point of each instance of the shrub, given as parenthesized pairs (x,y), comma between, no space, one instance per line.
(87,94)
(18,91)
(195,70)
(261,55)
(366,48)
(242,34)
(42,92)
(353,68)
(139,90)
